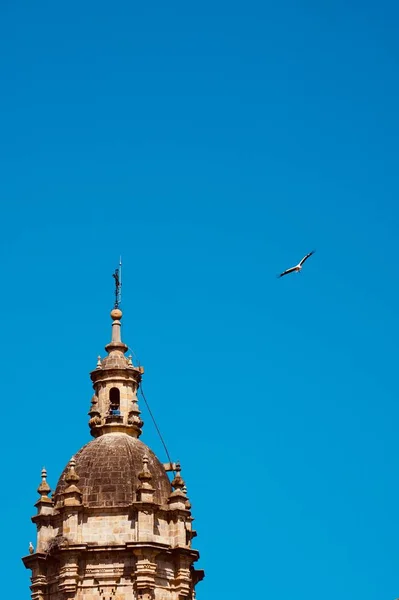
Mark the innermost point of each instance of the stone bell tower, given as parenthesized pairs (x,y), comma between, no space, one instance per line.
(115,527)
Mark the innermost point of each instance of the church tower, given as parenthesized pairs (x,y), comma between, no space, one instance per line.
(116,527)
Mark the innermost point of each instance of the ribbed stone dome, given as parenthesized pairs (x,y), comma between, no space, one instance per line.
(108,469)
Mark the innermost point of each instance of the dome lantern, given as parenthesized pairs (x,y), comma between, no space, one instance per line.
(115,382)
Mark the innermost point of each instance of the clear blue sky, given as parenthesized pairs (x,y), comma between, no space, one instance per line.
(212,144)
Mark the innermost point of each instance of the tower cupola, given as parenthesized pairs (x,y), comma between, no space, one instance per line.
(116,526)
(114,405)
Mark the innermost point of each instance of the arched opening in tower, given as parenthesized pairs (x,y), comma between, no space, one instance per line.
(114,401)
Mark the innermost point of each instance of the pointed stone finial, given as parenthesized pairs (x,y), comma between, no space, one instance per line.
(98,362)
(45,504)
(72,494)
(178,481)
(31,548)
(145,491)
(94,414)
(71,476)
(129,360)
(178,498)
(44,488)
(145,474)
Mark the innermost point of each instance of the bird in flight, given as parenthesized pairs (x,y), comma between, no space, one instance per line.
(298,267)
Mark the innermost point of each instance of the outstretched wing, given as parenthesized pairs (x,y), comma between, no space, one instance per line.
(306,257)
(286,272)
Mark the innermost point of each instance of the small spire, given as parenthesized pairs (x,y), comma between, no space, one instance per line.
(72,494)
(145,491)
(44,488)
(145,474)
(178,481)
(71,476)
(98,362)
(44,504)
(31,548)
(178,498)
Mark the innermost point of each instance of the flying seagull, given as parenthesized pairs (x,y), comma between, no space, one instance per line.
(298,267)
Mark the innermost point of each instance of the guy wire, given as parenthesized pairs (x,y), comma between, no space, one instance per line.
(151,415)
(157,428)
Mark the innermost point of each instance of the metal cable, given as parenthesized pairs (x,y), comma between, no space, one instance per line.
(151,415)
(157,428)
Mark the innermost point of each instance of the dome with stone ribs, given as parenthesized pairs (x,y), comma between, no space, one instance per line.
(108,469)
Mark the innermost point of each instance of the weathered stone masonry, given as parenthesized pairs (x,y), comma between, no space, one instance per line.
(115,528)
